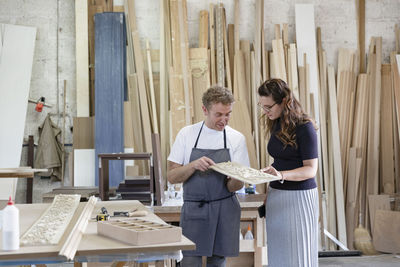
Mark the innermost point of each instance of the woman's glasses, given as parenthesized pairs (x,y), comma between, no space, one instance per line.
(266,108)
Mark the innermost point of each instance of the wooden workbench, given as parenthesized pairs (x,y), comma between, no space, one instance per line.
(92,246)
(22,172)
(252,252)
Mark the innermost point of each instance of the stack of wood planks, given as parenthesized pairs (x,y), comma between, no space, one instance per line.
(357,109)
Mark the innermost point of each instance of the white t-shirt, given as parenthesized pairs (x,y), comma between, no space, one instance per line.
(209,139)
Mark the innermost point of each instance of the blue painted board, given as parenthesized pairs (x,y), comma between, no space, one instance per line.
(110,88)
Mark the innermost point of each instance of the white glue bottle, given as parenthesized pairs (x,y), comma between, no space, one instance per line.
(249,234)
(10,227)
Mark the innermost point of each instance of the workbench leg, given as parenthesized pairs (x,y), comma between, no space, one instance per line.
(77,264)
(29,181)
(257,256)
(118,264)
(104,179)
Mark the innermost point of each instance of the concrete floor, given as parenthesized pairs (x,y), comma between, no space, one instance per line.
(383,260)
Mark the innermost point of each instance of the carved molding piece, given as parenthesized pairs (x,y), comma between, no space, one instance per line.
(243,173)
(50,227)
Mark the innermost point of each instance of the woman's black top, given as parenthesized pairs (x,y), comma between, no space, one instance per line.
(289,157)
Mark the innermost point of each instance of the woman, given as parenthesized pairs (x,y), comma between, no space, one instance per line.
(292,202)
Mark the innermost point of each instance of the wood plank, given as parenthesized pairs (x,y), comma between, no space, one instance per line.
(212,45)
(257,43)
(82,58)
(387,181)
(264,59)
(302,87)
(219,42)
(323,161)
(160,179)
(374,124)
(231,46)
(128,125)
(109,84)
(361,33)
(185,68)
(293,75)
(237,25)
(334,136)
(396,114)
(92,10)
(154,116)
(306,44)
(138,143)
(200,78)
(83,132)
(140,77)
(279,59)
(359,141)
(17,48)
(386,232)
(240,121)
(203,29)
(246,92)
(118,8)
(377,202)
(227,55)
(71,244)
(165,61)
(177,110)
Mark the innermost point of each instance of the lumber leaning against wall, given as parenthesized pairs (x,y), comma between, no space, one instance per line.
(109,85)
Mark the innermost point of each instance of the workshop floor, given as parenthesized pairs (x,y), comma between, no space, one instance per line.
(383,260)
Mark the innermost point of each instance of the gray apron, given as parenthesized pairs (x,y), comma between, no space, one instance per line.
(210,215)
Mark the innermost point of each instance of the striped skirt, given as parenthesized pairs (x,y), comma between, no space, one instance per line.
(292,227)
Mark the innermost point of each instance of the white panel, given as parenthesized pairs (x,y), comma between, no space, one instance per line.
(84,167)
(82,59)
(306,43)
(398,63)
(16,56)
(128,162)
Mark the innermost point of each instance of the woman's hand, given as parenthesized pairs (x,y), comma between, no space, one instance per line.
(271,170)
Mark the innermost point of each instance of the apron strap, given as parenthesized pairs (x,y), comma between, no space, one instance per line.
(202,202)
(198,136)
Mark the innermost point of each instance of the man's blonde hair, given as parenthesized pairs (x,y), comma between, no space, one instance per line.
(217,94)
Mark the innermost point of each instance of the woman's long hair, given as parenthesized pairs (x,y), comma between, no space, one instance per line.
(292,114)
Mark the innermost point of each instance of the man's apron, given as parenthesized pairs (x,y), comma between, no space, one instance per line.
(210,215)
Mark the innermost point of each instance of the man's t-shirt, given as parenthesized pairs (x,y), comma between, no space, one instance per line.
(209,139)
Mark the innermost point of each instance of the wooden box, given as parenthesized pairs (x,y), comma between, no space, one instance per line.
(139,232)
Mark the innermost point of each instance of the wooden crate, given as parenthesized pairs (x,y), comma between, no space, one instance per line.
(139,232)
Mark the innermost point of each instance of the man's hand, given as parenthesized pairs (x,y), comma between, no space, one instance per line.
(202,164)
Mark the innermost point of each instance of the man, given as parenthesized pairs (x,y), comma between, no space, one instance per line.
(210,215)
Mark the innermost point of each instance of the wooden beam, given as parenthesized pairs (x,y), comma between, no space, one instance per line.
(203,29)
(227,55)
(361,34)
(212,45)
(82,59)
(154,116)
(165,62)
(387,181)
(336,158)
(140,76)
